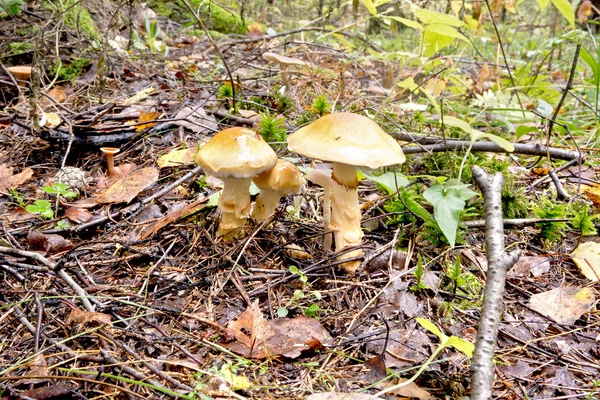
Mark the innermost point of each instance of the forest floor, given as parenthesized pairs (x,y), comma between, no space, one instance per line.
(124,290)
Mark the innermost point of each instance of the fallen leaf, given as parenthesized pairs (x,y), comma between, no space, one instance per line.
(155,226)
(250,329)
(238,382)
(377,370)
(196,120)
(526,265)
(54,392)
(10,181)
(593,193)
(563,305)
(341,396)
(83,318)
(52,120)
(78,215)
(145,117)
(51,244)
(139,96)
(410,390)
(37,367)
(297,252)
(127,188)
(584,11)
(587,257)
(177,158)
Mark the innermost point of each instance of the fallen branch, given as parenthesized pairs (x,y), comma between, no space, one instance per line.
(489,147)
(498,263)
(480,223)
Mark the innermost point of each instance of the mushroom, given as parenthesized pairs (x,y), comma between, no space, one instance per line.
(349,140)
(110,159)
(21,74)
(283,62)
(235,156)
(322,177)
(283,179)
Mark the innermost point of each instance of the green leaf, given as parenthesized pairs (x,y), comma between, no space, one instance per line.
(446,30)
(524,130)
(293,270)
(409,84)
(448,201)
(566,9)
(41,207)
(458,123)
(543,4)
(431,17)
(505,144)
(282,312)
(591,62)
(434,42)
(425,323)
(213,200)
(461,345)
(407,22)
(387,180)
(370,6)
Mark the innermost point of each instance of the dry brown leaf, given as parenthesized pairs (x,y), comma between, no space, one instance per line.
(155,226)
(587,257)
(10,181)
(177,158)
(341,396)
(584,11)
(78,215)
(37,367)
(533,265)
(563,305)
(250,328)
(410,390)
(593,193)
(82,318)
(127,188)
(39,241)
(377,370)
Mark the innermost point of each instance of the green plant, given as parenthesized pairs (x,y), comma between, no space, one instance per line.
(17,197)
(454,273)
(320,106)
(60,189)
(271,128)
(41,207)
(419,272)
(10,7)
(311,310)
(551,231)
(583,221)
(225,91)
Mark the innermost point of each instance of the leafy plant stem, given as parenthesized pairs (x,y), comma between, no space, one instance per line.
(464,160)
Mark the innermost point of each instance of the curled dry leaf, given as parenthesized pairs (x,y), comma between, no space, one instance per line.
(564,305)
(410,390)
(78,215)
(82,318)
(39,241)
(10,181)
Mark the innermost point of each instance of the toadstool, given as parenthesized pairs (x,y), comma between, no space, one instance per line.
(110,159)
(20,73)
(283,179)
(235,156)
(283,62)
(349,140)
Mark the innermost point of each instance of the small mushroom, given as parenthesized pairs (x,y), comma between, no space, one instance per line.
(322,177)
(283,179)
(110,159)
(349,140)
(21,74)
(284,62)
(235,156)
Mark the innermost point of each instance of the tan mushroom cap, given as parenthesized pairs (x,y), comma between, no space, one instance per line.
(236,153)
(20,72)
(347,138)
(278,58)
(284,178)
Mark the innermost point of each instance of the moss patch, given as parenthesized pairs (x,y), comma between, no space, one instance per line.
(214,17)
(16,48)
(71,70)
(76,16)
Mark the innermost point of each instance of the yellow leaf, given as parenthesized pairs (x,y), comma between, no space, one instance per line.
(587,257)
(145,117)
(177,158)
(594,195)
(237,382)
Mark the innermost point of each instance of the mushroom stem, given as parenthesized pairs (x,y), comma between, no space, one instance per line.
(285,76)
(345,214)
(266,203)
(323,179)
(234,204)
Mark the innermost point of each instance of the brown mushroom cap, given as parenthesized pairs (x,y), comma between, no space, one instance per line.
(236,153)
(283,178)
(278,58)
(109,150)
(20,72)
(347,138)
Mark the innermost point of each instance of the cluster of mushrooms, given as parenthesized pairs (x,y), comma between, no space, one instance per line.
(239,156)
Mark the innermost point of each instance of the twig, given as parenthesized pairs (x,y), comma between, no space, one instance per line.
(490,147)
(561,193)
(498,263)
(480,223)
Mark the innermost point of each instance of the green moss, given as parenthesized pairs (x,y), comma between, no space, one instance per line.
(19,48)
(215,17)
(71,70)
(76,16)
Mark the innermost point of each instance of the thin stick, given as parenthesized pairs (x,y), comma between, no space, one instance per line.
(499,262)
